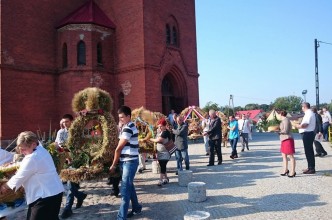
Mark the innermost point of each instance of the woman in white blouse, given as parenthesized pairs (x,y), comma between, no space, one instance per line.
(37,174)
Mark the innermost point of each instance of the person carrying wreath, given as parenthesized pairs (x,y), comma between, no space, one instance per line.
(163,136)
(73,188)
(38,175)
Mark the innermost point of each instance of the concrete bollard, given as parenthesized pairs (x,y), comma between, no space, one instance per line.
(197,215)
(185,177)
(155,167)
(197,192)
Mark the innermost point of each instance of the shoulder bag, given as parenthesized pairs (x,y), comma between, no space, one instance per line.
(170,146)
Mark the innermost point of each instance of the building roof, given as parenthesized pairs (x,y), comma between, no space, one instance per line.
(251,113)
(89,13)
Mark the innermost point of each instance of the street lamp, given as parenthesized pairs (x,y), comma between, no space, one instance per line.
(304,92)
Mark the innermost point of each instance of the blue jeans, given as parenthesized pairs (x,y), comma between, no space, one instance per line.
(244,140)
(181,155)
(128,192)
(233,143)
(71,193)
(326,126)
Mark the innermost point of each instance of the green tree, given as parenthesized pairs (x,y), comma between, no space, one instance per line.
(227,110)
(288,103)
(264,107)
(251,106)
(327,105)
(211,105)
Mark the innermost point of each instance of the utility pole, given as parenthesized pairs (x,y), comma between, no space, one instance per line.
(231,104)
(316,73)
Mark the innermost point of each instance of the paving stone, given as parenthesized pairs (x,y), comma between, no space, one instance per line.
(248,187)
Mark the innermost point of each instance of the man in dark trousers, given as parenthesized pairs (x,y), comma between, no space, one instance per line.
(214,134)
(320,151)
(73,188)
(307,131)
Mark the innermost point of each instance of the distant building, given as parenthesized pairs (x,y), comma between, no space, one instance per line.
(142,52)
(254,115)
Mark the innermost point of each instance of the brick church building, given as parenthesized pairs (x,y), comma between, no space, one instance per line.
(143,52)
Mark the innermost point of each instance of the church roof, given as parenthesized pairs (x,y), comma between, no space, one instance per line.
(89,13)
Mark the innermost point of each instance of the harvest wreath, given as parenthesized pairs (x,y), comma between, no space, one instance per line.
(92,137)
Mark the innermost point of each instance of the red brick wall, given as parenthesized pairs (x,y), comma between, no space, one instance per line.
(27,102)
(128,18)
(36,89)
(181,14)
(28,30)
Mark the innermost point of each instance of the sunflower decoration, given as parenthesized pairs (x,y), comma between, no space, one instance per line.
(92,137)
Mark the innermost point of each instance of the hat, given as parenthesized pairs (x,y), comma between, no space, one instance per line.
(162,122)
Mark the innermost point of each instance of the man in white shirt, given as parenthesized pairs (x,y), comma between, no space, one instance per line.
(244,128)
(306,129)
(326,118)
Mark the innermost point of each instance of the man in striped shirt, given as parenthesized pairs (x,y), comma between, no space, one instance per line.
(127,153)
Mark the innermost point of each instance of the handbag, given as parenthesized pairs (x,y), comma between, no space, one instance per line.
(170,147)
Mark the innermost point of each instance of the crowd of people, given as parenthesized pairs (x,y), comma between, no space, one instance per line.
(44,189)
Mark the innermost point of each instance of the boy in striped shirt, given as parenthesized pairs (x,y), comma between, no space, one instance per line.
(127,153)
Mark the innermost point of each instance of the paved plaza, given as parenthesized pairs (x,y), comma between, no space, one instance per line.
(249,187)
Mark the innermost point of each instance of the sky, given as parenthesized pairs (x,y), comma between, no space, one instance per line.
(259,50)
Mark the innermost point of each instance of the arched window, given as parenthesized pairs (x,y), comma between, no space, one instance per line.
(99,54)
(64,56)
(81,60)
(168,34)
(121,99)
(175,37)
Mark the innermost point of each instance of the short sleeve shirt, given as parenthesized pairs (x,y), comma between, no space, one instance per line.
(310,119)
(129,132)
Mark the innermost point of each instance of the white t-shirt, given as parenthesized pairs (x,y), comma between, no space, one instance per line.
(205,124)
(310,119)
(326,117)
(244,125)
